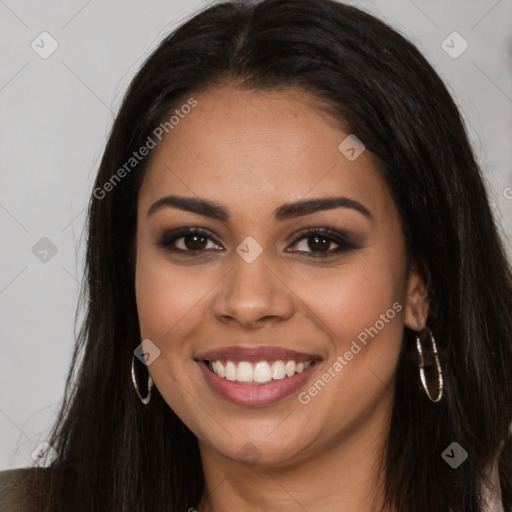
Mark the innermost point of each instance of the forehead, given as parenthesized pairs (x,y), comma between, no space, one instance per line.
(259,147)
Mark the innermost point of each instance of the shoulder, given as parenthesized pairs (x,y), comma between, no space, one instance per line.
(11,477)
(10,487)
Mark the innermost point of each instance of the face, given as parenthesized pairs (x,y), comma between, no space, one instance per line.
(304,308)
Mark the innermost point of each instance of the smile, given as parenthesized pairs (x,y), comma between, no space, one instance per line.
(250,392)
(261,372)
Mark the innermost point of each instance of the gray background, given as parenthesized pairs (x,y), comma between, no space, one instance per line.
(55,115)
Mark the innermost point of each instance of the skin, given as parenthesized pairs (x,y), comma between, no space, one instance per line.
(253,151)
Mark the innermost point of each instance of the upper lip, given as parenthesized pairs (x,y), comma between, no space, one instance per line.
(255,354)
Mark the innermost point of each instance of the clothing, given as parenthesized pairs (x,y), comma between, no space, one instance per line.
(9,489)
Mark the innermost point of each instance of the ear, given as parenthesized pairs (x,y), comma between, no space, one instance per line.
(417,299)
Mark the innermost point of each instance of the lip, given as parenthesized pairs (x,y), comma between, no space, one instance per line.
(255,354)
(253,395)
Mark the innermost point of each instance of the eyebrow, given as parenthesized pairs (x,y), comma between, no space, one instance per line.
(286,211)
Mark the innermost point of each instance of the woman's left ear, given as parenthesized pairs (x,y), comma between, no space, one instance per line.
(417,300)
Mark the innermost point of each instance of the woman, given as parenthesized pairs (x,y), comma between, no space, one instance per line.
(297,298)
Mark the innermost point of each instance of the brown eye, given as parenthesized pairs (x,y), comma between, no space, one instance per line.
(320,239)
(194,242)
(186,240)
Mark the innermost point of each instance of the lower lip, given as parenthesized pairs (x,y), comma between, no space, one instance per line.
(257,394)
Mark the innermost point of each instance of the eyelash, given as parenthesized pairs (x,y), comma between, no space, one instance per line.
(341,239)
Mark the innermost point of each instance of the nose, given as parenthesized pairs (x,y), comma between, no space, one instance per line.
(252,295)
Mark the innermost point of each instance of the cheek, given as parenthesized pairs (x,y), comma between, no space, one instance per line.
(164,299)
(360,308)
(356,381)
(171,303)
(352,298)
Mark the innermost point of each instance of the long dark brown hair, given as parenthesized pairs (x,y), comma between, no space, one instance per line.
(116,454)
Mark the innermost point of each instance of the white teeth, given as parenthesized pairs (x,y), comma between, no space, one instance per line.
(230,370)
(219,369)
(261,372)
(244,372)
(278,370)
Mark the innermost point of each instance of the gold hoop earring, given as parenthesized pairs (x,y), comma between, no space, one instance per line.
(145,400)
(422,366)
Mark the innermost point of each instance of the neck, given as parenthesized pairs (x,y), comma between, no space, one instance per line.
(342,476)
